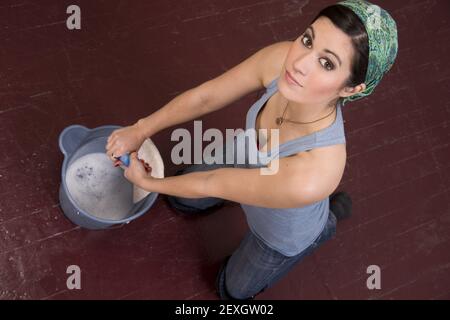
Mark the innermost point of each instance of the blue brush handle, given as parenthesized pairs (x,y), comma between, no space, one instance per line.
(125,159)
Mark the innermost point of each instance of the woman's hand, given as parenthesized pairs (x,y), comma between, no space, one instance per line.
(124,140)
(138,170)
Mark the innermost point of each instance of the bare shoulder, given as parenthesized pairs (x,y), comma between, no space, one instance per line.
(274,59)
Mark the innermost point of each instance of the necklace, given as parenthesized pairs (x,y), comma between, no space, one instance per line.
(279,121)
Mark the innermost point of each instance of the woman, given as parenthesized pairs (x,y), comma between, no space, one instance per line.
(341,57)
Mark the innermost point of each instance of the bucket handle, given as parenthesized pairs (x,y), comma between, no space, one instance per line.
(71,137)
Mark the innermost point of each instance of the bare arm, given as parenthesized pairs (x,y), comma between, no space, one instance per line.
(190,185)
(290,187)
(296,184)
(185,107)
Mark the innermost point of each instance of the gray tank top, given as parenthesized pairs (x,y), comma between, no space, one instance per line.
(287,230)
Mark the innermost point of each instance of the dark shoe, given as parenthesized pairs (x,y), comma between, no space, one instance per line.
(186,209)
(173,203)
(341,205)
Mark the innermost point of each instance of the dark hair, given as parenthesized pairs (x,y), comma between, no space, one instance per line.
(346,20)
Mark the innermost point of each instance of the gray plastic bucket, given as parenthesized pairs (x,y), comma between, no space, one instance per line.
(78,143)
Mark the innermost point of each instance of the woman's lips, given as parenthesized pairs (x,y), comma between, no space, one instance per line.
(290,79)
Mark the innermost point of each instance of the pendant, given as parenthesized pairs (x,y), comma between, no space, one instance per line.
(279,120)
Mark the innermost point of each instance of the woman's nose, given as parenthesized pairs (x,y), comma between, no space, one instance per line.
(302,64)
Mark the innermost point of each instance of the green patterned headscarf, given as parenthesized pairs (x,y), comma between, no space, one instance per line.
(383,44)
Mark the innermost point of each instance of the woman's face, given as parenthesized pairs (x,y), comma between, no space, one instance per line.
(320,62)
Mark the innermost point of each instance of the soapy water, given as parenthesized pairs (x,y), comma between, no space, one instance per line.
(99,188)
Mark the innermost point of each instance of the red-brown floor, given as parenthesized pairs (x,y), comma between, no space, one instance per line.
(132,57)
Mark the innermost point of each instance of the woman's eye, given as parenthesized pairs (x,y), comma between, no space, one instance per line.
(309,40)
(328,65)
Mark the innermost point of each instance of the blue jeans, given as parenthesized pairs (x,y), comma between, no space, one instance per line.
(254,266)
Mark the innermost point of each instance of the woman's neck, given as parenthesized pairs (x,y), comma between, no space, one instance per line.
(299,112)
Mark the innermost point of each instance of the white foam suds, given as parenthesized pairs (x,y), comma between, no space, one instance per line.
(99,188)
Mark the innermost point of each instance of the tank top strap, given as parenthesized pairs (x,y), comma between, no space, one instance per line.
(272,84)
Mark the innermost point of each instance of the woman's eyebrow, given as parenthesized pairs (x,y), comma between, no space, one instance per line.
(326,50)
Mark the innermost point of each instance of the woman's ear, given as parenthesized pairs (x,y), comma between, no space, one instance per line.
(350,91)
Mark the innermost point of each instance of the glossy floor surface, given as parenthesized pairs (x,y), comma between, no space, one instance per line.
(132,57)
